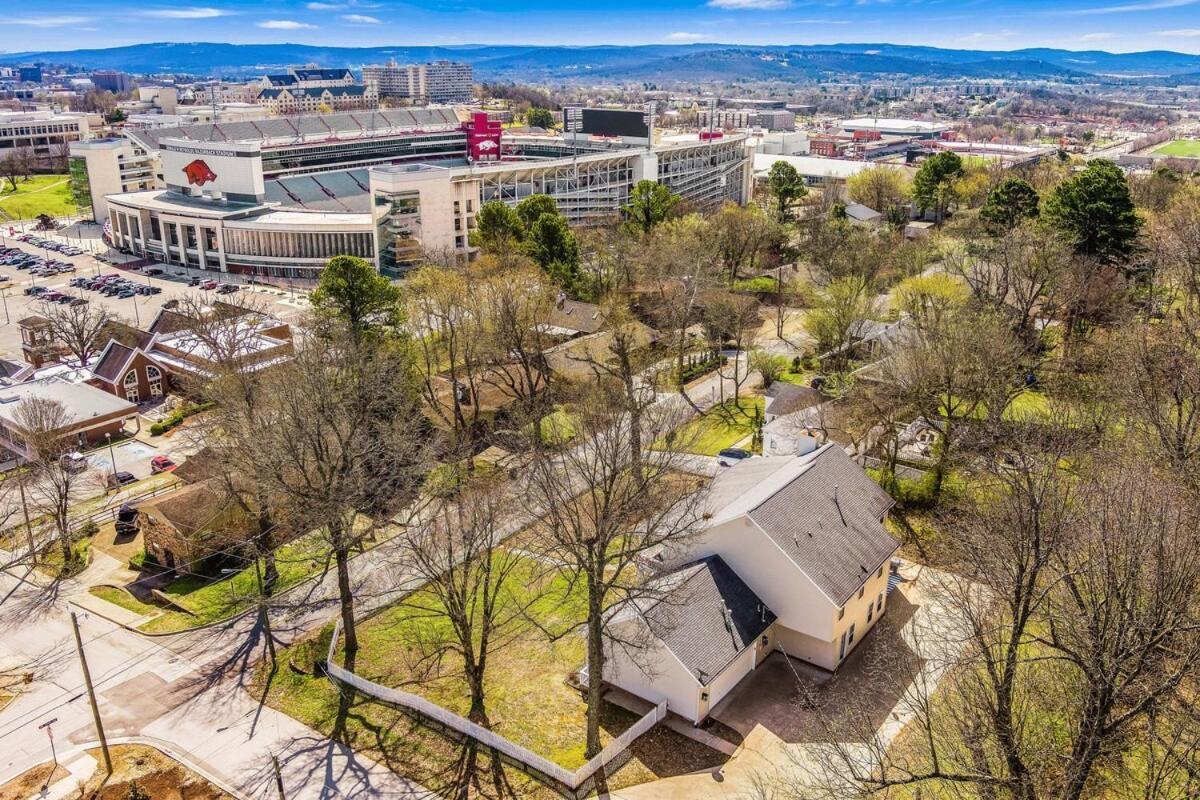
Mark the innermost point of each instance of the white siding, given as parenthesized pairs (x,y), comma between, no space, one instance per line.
(657,676)
(723,684)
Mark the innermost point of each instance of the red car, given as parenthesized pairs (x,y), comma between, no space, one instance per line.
(161,464)
(208,285)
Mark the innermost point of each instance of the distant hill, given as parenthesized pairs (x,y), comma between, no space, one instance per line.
(681,62)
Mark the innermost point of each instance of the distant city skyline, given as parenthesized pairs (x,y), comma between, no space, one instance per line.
(1112,25)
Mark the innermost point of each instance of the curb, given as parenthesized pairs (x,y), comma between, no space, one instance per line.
(164,747)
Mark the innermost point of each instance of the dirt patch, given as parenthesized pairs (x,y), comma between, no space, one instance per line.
(31,782)
(159,776)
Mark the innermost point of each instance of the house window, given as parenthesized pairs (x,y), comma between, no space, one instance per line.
(850,635)
(131,387)
(870,612)
(861,589)
(880,573)
(154,378)
(879,602)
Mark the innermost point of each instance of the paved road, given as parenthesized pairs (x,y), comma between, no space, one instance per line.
(190,689)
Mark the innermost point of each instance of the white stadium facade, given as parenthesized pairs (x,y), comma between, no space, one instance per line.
(276,198)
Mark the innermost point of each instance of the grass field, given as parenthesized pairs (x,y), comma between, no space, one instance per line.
(721,427)
(41,194)
(1181,148)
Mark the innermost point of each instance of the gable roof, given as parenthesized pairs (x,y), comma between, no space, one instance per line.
(112,361)
(691,619)
(571,315)
(821,509)
(784,398)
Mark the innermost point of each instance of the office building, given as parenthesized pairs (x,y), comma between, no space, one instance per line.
(43,133)
(112,81)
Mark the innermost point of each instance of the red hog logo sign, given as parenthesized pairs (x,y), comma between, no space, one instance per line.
(198,173)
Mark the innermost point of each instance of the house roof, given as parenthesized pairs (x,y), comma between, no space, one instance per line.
(571,315)
(314,91)
(860,213)
(191,508)
(784,398)
(692,622)
(112,361)
(821,509)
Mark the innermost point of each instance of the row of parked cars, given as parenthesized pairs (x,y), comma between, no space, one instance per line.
(48,244)
(51,296)
(221,288)
(114,285)
(42,267)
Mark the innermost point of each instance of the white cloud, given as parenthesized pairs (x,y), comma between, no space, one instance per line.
(49,22)
(361,19)
(750,5)
(683,36)
(993,36)
(187,13)
(284,25)
(1186,33)
(1129,8)
(325,6)
(1097,37)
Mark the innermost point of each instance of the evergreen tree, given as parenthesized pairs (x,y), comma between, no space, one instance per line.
(1096,212)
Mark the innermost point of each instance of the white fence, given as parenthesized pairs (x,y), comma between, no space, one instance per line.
(572,779)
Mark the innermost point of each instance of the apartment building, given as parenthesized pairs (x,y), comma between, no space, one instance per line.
(440,82)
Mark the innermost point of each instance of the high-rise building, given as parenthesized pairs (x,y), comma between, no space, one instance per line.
(112,81)
(441,82)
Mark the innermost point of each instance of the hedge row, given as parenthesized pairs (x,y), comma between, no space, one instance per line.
(178,416)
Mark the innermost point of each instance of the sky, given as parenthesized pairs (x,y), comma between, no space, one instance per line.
(1113,25)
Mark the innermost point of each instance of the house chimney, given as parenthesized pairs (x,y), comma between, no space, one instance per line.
(560,300)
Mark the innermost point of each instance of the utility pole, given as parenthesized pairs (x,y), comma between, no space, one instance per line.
(87,679)
(278,776)
(25,508)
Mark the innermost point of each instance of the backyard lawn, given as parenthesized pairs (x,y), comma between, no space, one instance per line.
(527,697)
(721,427)
(41,194)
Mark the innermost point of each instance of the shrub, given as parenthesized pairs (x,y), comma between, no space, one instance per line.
(770,365)
(763,284)
(135,792)
(701,364)
(178,416)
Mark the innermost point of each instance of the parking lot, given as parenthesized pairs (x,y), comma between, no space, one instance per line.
(60,270)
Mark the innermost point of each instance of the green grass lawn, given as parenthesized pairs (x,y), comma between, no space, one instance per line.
(722,426)
(1181,148)
(122,598)
(41,194)
(527,697)
(801,378)
(559,427)
(210,601)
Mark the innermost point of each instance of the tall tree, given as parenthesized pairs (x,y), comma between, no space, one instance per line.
(352,290)
(531,209)
(498,228)
(1095,211)
(602,517)
(80,329)
(786,187)
(1012,202)
(650,203)
(934,185)
(539,118)
(881,188)
(551,243)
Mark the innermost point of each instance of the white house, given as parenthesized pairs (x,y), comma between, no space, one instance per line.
(793,557)
(791,419)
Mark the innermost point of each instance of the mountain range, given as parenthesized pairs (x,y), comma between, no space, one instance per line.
(660,63)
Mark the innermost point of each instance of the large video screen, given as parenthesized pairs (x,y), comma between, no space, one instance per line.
(607,122)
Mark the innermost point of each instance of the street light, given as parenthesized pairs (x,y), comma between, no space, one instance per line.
(113,456)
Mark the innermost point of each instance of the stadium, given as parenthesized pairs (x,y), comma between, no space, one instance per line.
(276,198)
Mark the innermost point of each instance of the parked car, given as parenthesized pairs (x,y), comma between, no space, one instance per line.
(154,271)
(35,290)
(118,479)
(161,464)
(732,455)
(170,304)
(78,301)
(127,517)
(208,285)
(125,293)
(226,288)
(193,281)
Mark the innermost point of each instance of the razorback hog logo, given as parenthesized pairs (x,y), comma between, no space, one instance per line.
(198,173)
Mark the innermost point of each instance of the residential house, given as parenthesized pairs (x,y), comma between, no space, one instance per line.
(184,527)
(571,318)
(793,557)
(859,214)
(791,419)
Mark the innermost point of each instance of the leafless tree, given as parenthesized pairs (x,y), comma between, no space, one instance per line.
(17,163)
(55,480)
(80,329)
(731,321)
(473,594)
(601,517)
(338,448)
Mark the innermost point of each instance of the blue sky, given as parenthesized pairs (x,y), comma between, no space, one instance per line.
(1115,25)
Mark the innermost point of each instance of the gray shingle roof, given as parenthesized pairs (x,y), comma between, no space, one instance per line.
(838,543)
(691,619)
(112,361)
(788,397)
